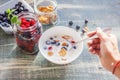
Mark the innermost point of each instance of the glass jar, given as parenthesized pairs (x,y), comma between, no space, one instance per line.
(28,32)
(46,10)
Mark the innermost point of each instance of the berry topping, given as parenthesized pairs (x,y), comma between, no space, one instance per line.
(45,48)
(27,22)
(73,42)
(48,42)
(74,47)
(53,42)
(51,38)
(50,48)
(64,48)
(57,44)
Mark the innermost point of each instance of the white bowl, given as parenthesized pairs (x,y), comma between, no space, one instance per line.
(11,4)
(59,31)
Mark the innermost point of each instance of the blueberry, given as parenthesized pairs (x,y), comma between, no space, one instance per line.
(64,48)
(1,17)
(67,45)
(19,3)
(9,22)
(27,35)
(4,19)
(7,25)
(21,8)
(45,47)
(15,12)
(77,27)
(74,47)
(53,42)
(83,31)
(70,23)
(26,10)
(48,42)
(57,44)
(51,38)
(4,24)
(17,6)
(0,21)
(5,13)
(86,21)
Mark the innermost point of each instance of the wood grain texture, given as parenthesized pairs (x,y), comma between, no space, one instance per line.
(16,65)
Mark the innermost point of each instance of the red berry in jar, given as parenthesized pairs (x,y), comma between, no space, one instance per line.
(28,32)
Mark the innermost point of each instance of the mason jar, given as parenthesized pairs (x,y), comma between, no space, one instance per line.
(28,32)
(46,11)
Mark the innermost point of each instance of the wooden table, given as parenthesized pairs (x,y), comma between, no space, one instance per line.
(14,65)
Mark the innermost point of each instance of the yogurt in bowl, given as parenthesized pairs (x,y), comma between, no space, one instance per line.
(58,46)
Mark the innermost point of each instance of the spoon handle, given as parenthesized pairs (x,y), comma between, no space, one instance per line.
(107,30)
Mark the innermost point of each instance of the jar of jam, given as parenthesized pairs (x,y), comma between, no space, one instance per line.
(46,10)
(28,32)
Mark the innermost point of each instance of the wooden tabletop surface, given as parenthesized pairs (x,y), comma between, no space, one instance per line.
(15,65)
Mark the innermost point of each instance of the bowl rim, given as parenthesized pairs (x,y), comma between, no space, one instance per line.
(60,63)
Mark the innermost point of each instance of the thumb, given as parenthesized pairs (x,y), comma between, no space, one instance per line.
(101,34)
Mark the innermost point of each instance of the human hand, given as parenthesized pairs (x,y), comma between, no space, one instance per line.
(106,47)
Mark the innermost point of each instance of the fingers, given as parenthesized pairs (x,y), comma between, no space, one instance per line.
(101,35)
(94,46)
(94,51)
(94,41)
(90,34)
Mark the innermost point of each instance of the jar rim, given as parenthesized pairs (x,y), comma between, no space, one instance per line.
(40,12)
(20,15)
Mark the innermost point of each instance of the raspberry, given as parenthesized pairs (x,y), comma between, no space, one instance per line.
(32,22)
(22,26)
(50,48)
(27,24)
(73,42)
(23,20)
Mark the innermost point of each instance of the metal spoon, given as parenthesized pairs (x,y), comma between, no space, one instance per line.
(107,30)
